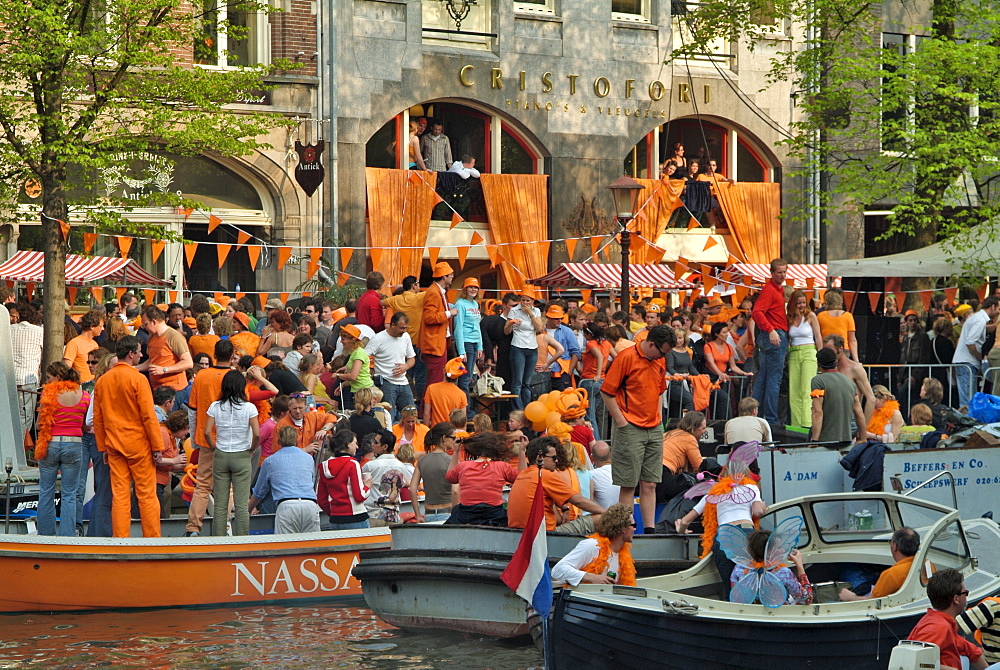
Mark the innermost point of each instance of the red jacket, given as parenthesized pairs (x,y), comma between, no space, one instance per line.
(769,310)
(370,311)
(341,491)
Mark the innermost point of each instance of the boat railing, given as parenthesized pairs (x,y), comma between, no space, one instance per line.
(905,380)
(898,486)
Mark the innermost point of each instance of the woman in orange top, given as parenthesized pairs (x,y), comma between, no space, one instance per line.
(203,342)
(719,355)
(75,353)
(596,357)
(834,320)
(408,431)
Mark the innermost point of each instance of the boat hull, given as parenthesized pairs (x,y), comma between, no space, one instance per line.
(51,574)
(593,635)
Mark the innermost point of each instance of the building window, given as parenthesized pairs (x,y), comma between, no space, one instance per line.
(631,10)
(535,6)
(439,27)
(718,50)
(231,36)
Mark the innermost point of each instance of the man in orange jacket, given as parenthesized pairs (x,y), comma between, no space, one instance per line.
(434,328)
(312,427)
(128,433)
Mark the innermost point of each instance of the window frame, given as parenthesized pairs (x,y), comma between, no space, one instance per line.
(258,36)
(544,8)
(645,14)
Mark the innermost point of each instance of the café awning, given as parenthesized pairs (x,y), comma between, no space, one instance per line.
(800,273)
(609,275)
(28,267)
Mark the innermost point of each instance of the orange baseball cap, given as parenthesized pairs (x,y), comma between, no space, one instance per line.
(261,361)
(351,330)
(243,319)
(454,368)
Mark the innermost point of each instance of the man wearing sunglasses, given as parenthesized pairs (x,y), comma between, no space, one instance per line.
(949,598)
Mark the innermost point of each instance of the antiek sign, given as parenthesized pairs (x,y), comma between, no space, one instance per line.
(309,172)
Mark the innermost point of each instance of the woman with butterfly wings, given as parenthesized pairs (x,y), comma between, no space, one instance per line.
(760,574)
(734,500)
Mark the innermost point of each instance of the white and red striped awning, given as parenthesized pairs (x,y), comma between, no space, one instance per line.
(28,267)
(609,275)
(799,273)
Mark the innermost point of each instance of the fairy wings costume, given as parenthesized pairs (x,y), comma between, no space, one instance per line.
(759,581)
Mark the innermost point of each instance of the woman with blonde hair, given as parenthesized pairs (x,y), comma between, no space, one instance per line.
(887,420)
(357,370)
(835,320)
(363,421)
(413,146)
(115,330)
(409,430)
(804,340)
(310,368)
(604,557)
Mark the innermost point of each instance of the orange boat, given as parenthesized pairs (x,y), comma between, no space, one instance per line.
(53,574)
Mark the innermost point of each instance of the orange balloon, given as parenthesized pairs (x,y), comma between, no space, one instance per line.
(538,426)
(550,399)
(552,418)
(535,411)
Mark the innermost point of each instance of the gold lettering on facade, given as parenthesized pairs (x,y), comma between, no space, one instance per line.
(464,73)
(546,82)
(572,83)
(708,93)
(629,87)
(523,82)
(683,93)
(656,90)
(602,87)
(496,80)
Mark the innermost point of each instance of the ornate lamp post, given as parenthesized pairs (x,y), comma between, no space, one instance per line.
(625,193)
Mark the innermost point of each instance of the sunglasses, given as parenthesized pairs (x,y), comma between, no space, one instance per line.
(298,395)
(634,524)
(963,593)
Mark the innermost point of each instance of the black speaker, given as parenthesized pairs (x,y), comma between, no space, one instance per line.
(878,339)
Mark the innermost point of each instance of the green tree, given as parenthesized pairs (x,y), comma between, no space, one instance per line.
(917,129)
(84,80)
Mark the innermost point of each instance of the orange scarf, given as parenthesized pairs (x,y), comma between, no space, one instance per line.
(882,417)
(47,414)
(710,517)
(626,567)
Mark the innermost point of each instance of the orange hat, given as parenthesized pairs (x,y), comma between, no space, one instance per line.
(715,302)
(243,319)
(910,312)
(574,411)
(658,301)
(555,312)
(261,361)
(454,368)
(224,300)
(338,314)
(528,291)
(588,308)
(471,281)
(442,269)
(163,307)
(653,308)
(189,322)
(351,330)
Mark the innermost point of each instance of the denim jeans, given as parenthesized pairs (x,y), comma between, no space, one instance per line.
(593,389)
(64,458)
(965,377)
(471,351)
(771,359)
(398,396)
(349,526)
(522,369)
(419,371)
(100,504)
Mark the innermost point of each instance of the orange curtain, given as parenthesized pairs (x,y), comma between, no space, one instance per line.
(753,212)
(399,216)
(518,210)
(657,201)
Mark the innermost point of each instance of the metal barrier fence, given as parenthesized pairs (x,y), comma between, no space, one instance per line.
(679,398)
(904,381)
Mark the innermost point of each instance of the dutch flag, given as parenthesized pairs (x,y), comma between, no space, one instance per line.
(528,571)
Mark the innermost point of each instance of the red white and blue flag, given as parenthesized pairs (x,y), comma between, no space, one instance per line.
(528,572)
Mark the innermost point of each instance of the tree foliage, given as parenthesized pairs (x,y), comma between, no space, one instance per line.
(82,81)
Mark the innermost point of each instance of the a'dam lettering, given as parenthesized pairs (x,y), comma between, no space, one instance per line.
(277,578)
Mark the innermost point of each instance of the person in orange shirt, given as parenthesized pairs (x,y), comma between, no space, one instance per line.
(171,459)
(168,352)
(245,343)
(75,353)
(435,323)
(652,319)
(444,397)
(408,431)
(312,427)
(631,392)
(204,341)
(129,435)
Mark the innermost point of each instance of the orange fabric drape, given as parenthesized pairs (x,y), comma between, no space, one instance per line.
(752,210)
(518,210)
(658,200)
(399,216)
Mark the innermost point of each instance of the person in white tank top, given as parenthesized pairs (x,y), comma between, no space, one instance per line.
(804,340)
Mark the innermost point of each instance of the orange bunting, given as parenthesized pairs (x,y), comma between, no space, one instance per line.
(741,293)
(571,248)
(242,238)
(72,291)
(29,290)
(900,300)
(88,242)
(849,297)
(213,222)
(981,291)
(222,250)
(124,244)
(342,278)
(709,282)
(476,238)
(432,254)
(455,220)
(950,293)
(307,294)
(463,253)
(150,295)
(545,244)
(173,296)
(873,299)
(63,229)
(810,282)
(284,298)
(494,253)
(345,257)
(98,294)
(157,247)
(263,297)
(254,252)
(284,253)
(709,243)
(217,296)
(189,251)
(240,294)
(595,244)
(119,291)
(693,223)
(585,293)
(187,212)
(925,297)
(314,256)
(413,176)
(733,260)
(376,256)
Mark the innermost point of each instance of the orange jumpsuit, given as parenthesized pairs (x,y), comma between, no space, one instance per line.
(127,431)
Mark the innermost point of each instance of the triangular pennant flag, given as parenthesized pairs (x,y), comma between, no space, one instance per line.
(217,296)
(726,277)
(432,254)
(709,282)
(571,248)
(741,293)
(733,260)
(981,292)
(437,198)
(124,244)
(900,300)
(284,298)
(413,176)
(695,292)
(284,253)
(29,290)
(222,250)
(375,254)
(693,223)
(240,294)
(595,244)
(476,238)
(157,248)
(925,297)
(307,294)
(263,297)
(314,255)
(173,296)
(187,211)
(72,291)
(810,282)
(455,219)
(789,281)
(120,291)
(747,280)
(585,293)
(98,294)
(342,278)
(607,253)
(873,298)
(545,244)
(253,251)
(213,223)
(63,230)
(189,251)
(88,242)
(849,297)
(709,243)
(452,295)
(150,295)
(950,293)
(463,253)
(242,238)
(345,256)
(494,253)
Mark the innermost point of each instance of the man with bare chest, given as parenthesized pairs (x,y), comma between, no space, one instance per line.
(854,371)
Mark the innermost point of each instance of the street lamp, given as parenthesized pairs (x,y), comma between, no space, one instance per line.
(625,193)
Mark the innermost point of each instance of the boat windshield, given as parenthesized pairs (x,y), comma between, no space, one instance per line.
(854,520)
(948,547)
(774,518)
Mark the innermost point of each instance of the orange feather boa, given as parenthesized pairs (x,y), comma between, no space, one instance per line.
(47,406)
(626,566)
(710,518)
(882,417)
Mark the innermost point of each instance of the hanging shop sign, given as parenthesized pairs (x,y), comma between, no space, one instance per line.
(309,172)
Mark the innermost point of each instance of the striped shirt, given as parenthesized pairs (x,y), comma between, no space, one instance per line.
(26,339)
(983,617)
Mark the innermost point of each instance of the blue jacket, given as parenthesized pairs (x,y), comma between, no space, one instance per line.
(865,465)
(467,325)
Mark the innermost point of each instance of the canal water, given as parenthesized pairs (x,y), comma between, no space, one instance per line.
(278,637)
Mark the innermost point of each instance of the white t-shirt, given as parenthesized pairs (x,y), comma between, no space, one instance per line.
(974,333)
(568,571)
(747,429)
(728,511)
(605,493)
(524,332)
(232,425)
(388,352)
